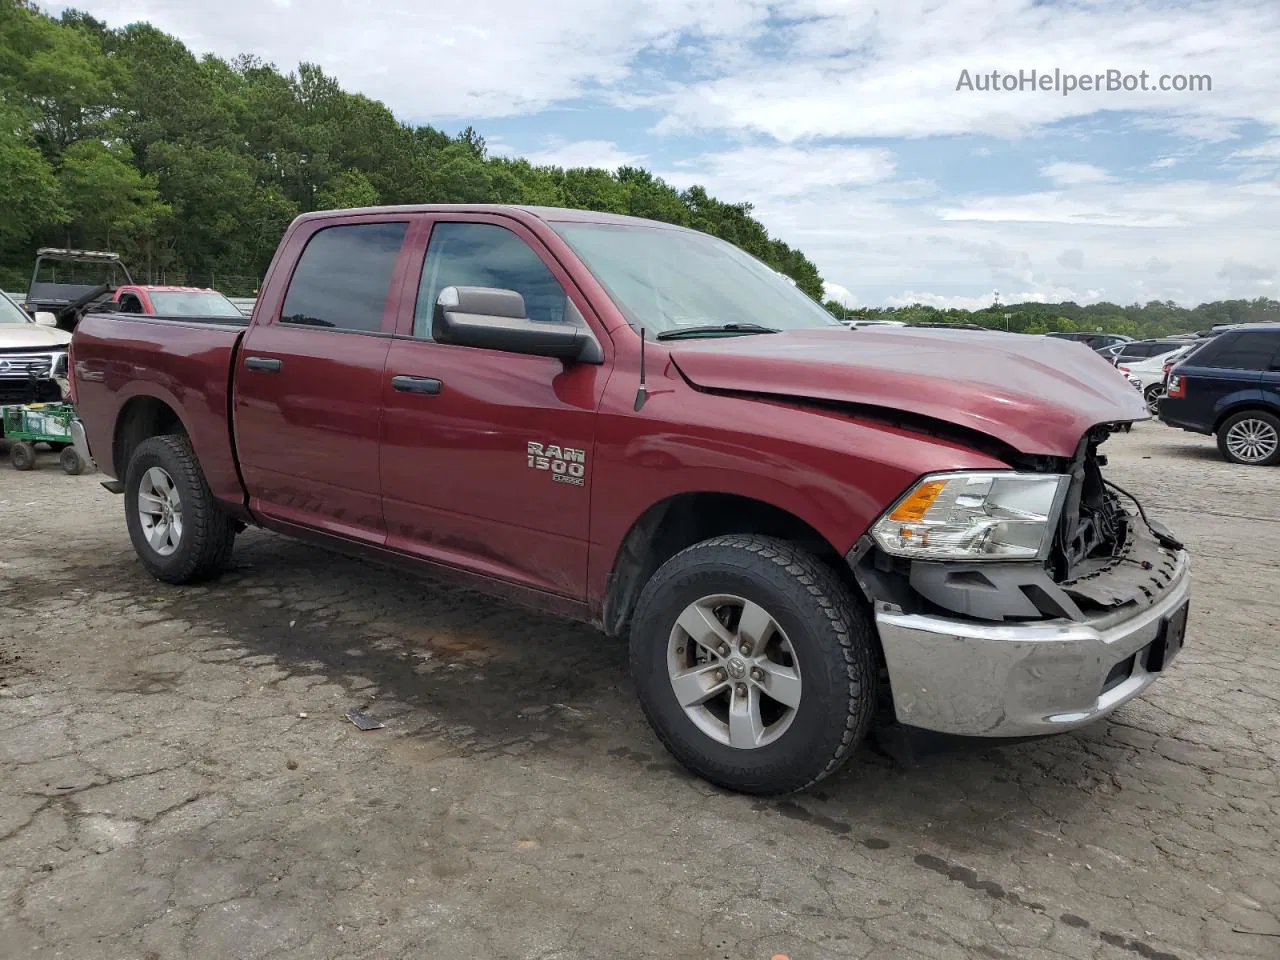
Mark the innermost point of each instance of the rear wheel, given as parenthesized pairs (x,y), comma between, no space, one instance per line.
(22,455)
(1251,437)
(177,528)
(753,664)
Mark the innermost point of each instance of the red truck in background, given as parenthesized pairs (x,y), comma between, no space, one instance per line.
(642,427)
(169,301)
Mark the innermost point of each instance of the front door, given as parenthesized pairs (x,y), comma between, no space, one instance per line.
(308,380)
(487,455)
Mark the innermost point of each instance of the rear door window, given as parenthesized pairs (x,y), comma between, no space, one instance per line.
(343,277)
(1250,350)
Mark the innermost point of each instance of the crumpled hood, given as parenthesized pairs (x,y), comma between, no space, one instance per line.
(1037,394)
(19,335)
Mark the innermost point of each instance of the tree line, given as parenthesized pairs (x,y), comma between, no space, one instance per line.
(1140,321)
(191,167)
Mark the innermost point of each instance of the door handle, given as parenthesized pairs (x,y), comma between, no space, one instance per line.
(416,384)
(270,364)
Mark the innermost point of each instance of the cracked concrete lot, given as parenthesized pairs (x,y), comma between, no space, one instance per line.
(162,794)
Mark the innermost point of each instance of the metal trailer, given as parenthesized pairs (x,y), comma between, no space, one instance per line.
(26,425)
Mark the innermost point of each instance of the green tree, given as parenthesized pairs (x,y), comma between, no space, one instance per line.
(350,188)
(109,200)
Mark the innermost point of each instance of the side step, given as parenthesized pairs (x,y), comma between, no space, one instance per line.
(113,486)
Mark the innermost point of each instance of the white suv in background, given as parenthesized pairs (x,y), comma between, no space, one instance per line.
(33,356)
(1148,375)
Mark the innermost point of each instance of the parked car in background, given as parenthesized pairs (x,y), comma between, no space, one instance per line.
(1148,375)
(1133,351)
(1230,388)
(174,301)
(33,355)
(1093,341)
(789,525)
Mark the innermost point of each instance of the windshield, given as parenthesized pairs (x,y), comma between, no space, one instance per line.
(667,280)
(194,305)
(10,312)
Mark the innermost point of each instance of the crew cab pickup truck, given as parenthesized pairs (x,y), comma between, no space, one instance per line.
(642,427)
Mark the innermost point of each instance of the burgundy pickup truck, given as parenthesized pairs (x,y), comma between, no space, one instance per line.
(639,426)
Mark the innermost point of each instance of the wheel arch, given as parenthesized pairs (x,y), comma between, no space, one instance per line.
(1243,405)
(683,519)
(141,417)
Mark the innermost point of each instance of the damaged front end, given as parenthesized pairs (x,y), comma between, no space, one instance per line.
(1106,555)
(1026,648)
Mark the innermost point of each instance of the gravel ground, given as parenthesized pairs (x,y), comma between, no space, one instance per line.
(177,779)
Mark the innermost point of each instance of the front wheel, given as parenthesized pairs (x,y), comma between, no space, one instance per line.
(1251,437)
(177,528)
(753,664)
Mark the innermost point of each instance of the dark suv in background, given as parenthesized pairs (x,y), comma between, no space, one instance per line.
(1230,387)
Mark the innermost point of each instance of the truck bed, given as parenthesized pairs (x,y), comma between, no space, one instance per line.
(123,361)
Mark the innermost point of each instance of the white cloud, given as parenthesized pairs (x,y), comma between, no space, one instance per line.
(842,295)
(1267,150)
(1069,174)
(778,171)
(894,72)
(581,153)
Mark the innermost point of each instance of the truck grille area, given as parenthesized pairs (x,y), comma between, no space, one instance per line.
(27,376)
(1092,530)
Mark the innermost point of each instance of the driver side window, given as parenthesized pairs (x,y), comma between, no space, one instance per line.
(485,255)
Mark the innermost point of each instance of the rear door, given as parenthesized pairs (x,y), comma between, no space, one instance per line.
(1229,370)
(309,375)
(487,455)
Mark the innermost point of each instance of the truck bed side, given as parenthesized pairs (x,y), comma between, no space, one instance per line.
(131,370)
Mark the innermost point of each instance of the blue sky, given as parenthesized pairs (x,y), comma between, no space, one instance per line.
(840,121)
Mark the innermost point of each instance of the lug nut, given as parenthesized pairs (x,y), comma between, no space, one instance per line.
(720,675)
(724,649)
(746,648)
(742,689)
(757,674)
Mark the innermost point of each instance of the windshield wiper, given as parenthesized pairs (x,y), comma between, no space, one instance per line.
(713,328)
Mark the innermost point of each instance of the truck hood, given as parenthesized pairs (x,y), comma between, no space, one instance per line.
(1036,394)
(19,335)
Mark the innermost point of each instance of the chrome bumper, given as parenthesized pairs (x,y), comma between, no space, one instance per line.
(1016,680)
(81,442)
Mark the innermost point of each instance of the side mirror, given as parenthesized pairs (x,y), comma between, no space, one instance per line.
(45,318)
(494,319)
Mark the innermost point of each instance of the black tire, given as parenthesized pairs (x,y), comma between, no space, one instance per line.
(1264,420)
(833,642)
(204,548)
(70,461)
(22,455)
(1152,395)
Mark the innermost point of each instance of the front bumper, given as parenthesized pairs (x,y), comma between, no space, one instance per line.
(971,678)
(80,441)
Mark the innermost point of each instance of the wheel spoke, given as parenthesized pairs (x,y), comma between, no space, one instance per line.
(746,729)
(175,528)
(158,536)
(755,625)
(694,687)
(781,683)
(149,503)
(704,629)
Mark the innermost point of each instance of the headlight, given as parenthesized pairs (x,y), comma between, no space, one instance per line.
(974,516)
